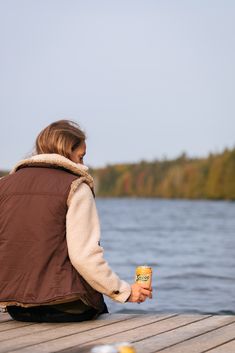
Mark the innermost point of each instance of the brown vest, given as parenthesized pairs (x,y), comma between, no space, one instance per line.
(34,265)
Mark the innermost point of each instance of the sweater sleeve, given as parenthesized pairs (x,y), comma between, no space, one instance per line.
(85,253)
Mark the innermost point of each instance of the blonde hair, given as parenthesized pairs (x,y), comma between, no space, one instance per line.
(61,137)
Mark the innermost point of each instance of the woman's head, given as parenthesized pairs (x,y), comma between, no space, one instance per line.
(63,137)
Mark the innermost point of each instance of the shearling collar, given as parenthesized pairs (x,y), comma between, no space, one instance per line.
(56,160)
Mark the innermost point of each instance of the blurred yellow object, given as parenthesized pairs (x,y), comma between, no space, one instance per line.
(125,347)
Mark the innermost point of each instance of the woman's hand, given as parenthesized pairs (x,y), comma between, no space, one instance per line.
(139,293)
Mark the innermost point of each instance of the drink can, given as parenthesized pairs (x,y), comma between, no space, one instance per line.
(104,349)
(143,275)
(125,347)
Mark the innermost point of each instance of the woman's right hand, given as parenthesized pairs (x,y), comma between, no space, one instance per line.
(139,293)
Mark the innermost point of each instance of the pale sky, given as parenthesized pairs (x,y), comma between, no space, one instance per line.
(146,79)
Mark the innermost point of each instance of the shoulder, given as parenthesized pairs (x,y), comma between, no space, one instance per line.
(82,192)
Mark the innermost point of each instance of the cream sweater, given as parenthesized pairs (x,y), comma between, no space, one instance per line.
(86,255)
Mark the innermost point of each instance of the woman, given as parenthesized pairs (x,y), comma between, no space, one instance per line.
(52,265)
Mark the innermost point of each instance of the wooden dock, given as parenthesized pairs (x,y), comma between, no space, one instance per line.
(172,333)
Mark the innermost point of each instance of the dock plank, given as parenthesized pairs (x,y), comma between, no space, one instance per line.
(61,330)
(228,347)
(19,329)
(10,324)
(58,340)
(4,317)
(166,341)
(151,330)
(205,341)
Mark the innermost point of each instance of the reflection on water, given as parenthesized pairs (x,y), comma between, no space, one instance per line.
(189,244)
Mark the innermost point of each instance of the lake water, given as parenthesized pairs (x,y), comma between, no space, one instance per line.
(189,244)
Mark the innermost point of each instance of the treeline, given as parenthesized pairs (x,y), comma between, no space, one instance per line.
(201,178)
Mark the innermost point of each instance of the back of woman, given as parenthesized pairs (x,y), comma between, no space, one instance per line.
(52,266)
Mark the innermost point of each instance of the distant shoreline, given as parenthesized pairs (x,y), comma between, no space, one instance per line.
(211,178)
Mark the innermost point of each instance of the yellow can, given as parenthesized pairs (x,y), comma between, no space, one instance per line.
(143,275)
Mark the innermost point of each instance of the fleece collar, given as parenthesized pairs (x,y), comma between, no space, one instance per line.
(54,160)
